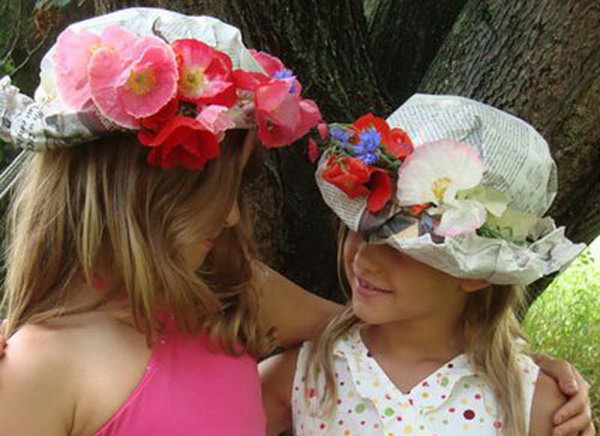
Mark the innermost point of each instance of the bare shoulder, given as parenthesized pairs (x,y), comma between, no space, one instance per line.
(36,382)
(547,398)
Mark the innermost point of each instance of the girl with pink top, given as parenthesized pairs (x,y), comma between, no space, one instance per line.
(132,295)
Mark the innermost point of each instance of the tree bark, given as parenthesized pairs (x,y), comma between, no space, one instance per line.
(538,59)
(327,45)
(405,37)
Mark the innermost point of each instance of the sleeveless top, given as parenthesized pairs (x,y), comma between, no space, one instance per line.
(453,400)
(187,390)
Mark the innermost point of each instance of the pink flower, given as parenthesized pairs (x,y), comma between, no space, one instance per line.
(156,121)
(323,129)
(283,117)
(270,64)
(276,70)
(135,82)
(181,142)
(216,119)
(204,74)
(73,54)
(313,150)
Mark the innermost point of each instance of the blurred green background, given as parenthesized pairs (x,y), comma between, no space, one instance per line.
(564,321)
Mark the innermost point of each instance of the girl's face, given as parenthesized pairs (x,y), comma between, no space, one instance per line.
(388,286)
(196,252)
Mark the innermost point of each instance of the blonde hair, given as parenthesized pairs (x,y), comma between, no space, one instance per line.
(102,204)
(493,342)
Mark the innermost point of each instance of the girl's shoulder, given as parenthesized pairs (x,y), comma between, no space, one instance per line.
(37,379)
(70,372)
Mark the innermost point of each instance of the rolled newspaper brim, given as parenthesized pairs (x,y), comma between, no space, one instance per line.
(472,256)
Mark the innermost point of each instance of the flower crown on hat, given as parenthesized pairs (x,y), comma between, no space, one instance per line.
(439,183)
(458,185)
(180,96)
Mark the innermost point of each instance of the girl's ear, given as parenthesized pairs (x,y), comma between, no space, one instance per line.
(473,285)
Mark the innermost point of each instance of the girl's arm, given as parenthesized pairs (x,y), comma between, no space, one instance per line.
(35,394)
(295,314)
(277,378)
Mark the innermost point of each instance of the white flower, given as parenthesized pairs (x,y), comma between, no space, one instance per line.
(442,173)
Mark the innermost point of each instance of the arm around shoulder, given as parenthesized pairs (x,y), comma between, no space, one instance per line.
(277,378)
(35,392)
(296,314)
(547,398)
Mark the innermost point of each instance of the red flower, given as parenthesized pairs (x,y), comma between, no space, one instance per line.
(349,175)
(369,120)
(182,141)
(168,111)
(357,179)
(381,190)
(399,144)
(249,80)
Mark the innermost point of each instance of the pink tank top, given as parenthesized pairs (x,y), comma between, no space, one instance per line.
(188,390)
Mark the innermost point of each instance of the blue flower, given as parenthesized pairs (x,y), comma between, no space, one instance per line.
(366,149)
(283,74)
(339,134)
(287,74)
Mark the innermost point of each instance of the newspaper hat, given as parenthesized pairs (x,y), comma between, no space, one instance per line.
(176,81)
(451,182)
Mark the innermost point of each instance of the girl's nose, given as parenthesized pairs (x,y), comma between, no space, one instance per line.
(365,258)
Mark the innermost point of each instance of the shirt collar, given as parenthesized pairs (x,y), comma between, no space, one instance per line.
(372,383)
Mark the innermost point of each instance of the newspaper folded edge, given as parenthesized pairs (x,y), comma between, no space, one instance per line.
(470,256)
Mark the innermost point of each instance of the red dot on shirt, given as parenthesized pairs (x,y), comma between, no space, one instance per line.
(452,410)
(497,424)
(469,414)
(477,397)
(322,426)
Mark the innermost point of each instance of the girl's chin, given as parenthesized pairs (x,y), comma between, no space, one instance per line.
(368,313)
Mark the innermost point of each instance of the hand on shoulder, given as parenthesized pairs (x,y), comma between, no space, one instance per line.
(547,399)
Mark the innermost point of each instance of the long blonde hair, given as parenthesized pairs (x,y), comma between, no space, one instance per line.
(101,203)
(493,342)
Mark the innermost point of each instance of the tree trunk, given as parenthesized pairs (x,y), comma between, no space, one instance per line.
(538,59)
(405,37)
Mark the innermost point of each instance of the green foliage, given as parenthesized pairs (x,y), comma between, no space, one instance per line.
(565,321)
(56,3)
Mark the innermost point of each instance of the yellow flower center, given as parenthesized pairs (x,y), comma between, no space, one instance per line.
(440,186)
(192,80)
(141,82)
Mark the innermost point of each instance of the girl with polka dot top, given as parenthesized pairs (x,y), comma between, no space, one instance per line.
(436,246)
